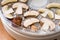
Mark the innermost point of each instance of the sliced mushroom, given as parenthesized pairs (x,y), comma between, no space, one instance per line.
(30,21)
(7,1)
(17,20)
(48,24)
(31,13)
(7,11)
(23,0)
(46,12)
(9,16)
(53,5)
(57,16)
(50,14)
(42,10)
(58,11)
(19,7)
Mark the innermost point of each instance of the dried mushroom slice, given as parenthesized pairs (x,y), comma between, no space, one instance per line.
(19,7)
(7,11)
(53,5)
(34,28)
(23,0)
(58,11)
(48,24)
(31,13)
(17,20)
(46,12)
(57,16)
(7,1)
(30,21)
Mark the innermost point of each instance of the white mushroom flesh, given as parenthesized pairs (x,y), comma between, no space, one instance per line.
(7,11)
(53,5)
(31,13)
(23,0)
(19,10)
(19,7)
(7,1)
(48,23)
(57,16)
(30,21)
(58,11)
(46,12)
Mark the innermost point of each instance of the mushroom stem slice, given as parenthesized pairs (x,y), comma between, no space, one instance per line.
(48,23)
(46,12)
(7,1)
(30,21)
(45,27)
(19,7)
(18,10)
(22,5)
(31,13)
(57,16)
(53,5)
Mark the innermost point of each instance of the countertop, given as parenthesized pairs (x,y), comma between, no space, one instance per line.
(3,34)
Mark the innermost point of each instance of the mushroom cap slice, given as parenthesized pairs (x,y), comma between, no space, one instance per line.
(50,14)
(7,1)
(23,0)
(57,16)
(53,5)
(9,16)
(22,5)
(30,21)
(7,12)
(42,10)
(46,12)
(58,11)
(48,23)
(31,13)
(19,7)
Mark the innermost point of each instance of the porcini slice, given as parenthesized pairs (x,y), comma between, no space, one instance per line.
(7,11)
(48,24)
(30,21)
(31,13)
(53,5)
(7,1)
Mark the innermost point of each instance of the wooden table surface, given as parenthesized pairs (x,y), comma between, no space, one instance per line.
(3,34)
